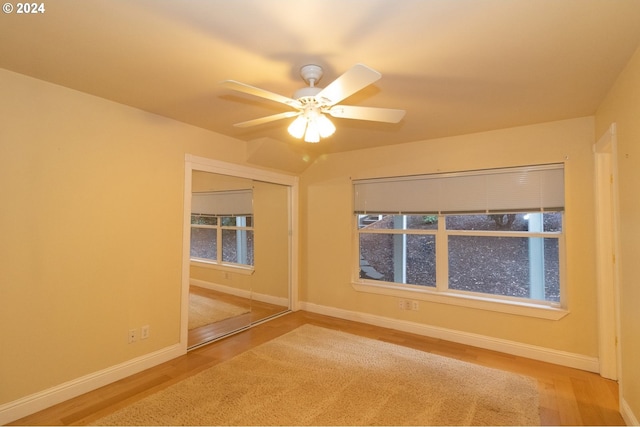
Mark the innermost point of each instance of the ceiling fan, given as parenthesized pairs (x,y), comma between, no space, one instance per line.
(312,104)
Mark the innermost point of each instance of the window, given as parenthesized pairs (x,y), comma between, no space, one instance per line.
(493,234)
(218,235)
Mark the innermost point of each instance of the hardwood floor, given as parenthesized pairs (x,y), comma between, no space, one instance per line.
(567,396)
(258,311)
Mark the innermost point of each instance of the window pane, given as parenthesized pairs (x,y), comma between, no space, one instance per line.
(237,246)
(421,260)
(203,243)
(376,262)
(422,222)
(508,266)
(381,258)
(204,219)
(236,221)
(552,221)
(398,222)
(228,221)
(507,222)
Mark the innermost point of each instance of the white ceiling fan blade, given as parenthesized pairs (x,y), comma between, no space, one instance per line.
(267,119)
(255,91)
(374,114)
(357,77)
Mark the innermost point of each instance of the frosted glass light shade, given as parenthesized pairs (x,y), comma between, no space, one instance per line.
(311,125)
(325,127)
(297,127)
(312,134)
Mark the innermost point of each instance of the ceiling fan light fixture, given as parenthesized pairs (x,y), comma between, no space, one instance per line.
(297,127)
(325,127)
(313,132)
(313,104)
(312,125)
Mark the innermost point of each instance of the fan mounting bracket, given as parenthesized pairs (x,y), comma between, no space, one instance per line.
(311,73)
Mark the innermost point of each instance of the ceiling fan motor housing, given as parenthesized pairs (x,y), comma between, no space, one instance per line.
(307,95)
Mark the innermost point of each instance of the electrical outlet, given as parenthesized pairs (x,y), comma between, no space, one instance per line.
(133,335)
(415,306)
(144,332)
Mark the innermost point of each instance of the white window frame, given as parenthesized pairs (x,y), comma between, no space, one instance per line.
(218,262)
(442,294)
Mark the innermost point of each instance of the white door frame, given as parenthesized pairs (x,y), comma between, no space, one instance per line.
(215,166)
(607,241)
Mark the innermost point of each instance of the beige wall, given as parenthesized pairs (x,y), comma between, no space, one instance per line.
(327,221)
(622,106)
(91,231)
(271,207)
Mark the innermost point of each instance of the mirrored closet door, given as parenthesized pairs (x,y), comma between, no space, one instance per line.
(239,254)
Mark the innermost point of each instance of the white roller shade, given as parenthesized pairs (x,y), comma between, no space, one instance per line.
(232,203)
(532,188)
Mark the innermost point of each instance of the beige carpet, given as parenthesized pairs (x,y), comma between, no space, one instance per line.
(204,311)
(317,376)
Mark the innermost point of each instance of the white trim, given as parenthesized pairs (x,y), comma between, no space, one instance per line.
(294,243)
(46,398)
(543,354)
(463,300)
(607,250)
(186,253)
(269,299)
(628,416)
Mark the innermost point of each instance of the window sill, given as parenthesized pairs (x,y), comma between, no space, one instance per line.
(472,301)
(223,267)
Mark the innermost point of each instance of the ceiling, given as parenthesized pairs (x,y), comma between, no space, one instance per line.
(456,67)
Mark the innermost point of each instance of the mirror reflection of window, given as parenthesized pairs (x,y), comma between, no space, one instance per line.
(222,227)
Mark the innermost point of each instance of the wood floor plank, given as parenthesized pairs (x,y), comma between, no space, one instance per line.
(549,412)
(257,311)
(566,396)
(568,403)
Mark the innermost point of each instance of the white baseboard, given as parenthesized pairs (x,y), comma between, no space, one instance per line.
(270,299)
(44,399)
(627,414)
(33,403)
(557,357)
